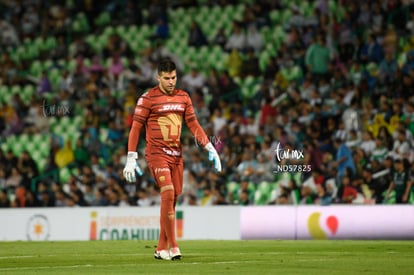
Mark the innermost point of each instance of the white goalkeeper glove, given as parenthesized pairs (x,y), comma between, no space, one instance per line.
(213,156)
(131,167)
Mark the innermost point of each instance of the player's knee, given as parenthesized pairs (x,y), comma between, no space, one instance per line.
(166,188)
(168,198)
(167,193)
(171,215)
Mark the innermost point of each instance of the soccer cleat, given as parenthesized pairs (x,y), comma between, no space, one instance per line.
(162,255)
(175,253)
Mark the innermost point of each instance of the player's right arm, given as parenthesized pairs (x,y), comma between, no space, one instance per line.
(141,113)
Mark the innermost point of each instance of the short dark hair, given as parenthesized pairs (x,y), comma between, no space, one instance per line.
(166,65)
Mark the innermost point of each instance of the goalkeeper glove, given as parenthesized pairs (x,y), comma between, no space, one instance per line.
(131,167)
(213,156)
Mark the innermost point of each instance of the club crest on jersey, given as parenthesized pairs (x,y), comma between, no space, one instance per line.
(171,107)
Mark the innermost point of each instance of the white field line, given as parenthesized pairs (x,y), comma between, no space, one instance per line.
(196,254)
(150,254)
(118,265)
(56,255)
(16,257)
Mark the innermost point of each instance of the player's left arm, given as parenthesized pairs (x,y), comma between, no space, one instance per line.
(198,132)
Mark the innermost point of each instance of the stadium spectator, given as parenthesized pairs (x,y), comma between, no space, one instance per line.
(343,158)
(162,30)
(401,182)
(132,15)
(236,40)
(246,168)
(116,46)
(193,81)
(9,35)
(350,192)
(371,51)
(81,48)
(250,64)
(254,39)
(196,36)
(220,38)
(387,68)
(318,58)
(27,166)
(401,148)
(4,199)
(36,120)
(234,63)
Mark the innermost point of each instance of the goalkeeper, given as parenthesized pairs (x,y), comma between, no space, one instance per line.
(161,111)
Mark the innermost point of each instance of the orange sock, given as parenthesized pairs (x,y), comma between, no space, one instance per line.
(168,216)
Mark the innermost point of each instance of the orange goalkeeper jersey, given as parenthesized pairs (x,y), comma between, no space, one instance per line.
(162,115)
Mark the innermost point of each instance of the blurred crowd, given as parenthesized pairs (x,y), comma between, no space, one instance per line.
(338,89)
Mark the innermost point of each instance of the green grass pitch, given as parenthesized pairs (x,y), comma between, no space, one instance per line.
(209,257)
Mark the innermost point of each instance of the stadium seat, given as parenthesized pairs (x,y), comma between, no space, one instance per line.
(262,193)
(32,52)
(54,77)
(401,59)
(92,39)
(10,141)
(191,55)
(146,30)
(233,187)
(36,155)
(4,147)
(17,148)
(278,35)
(121,30)
(3,90)
(260,198)
(36,68)
(70,65)
(264,57)
(27,92)
(64,174)
(22,138)
(78,120)
(103,19)
(332,6)
(203,14)
(215,12)
(44,147)
(83,22)
(41,164)
(50,43)
(286,15)
(47,64)
(179,12)
(275,16)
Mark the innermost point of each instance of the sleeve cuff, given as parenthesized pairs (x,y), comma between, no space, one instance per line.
(133,155)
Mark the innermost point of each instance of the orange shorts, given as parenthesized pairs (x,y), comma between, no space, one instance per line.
(165,173)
